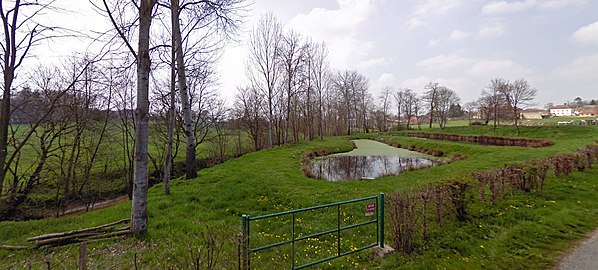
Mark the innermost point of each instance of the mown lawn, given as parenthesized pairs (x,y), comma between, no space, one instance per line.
(525,231)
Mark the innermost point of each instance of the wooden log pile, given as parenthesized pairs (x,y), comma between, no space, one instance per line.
(114,229)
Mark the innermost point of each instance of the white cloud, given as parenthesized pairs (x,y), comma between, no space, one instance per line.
(416,83)
(427,8)
(580,68)
(504,7)
(436,7)
(442,61)
(492,29)
(587,34)
(576,78)
(384,80)
(559,4)
(339,29)
(373,62)
(414,23)
(434,42)
(321,23)
(459,35)
(505,68)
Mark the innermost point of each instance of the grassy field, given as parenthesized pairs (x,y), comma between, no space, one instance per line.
(524,231)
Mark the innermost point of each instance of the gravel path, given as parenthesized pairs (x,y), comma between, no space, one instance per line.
(583,256)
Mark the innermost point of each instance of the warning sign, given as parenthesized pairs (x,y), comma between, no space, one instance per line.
(370,209)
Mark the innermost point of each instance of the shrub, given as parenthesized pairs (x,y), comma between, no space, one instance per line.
(484,140)
(403,220)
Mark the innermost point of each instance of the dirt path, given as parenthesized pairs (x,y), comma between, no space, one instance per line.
(99,205)
(583,256)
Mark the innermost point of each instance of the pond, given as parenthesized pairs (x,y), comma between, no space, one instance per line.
(369,160)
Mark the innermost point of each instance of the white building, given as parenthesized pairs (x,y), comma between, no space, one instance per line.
(561,110)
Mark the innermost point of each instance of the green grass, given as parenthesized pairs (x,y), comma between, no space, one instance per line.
(555,120)
(271,181)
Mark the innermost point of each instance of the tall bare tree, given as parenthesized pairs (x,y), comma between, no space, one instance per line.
(398,96)
(410,102)
(493,99)
(385,104)
(190,170)
(21,32)
(320,74)
(264,46)
(291,61)
(139,217)
(351,86)
(431,97)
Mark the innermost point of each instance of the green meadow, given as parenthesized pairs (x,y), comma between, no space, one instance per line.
(522,231)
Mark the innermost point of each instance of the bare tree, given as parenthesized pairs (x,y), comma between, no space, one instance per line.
(290,56)
(141,169)
(21,32)
(320,73)
(518,94)
(171,119)
(445,98)
(264,46)
(398,96)
(469,109)
(431,97)
(385,106)
(190,169)
(350,85)
(248,108)
(139,217)
(493,99)
(410,102)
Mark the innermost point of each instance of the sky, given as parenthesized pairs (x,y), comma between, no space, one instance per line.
(461,44)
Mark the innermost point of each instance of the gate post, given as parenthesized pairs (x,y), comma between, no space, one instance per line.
(245,239)
(381,219)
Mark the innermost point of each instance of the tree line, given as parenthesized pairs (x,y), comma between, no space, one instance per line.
(62,127)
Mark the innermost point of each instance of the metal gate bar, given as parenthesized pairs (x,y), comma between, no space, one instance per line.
(379,221)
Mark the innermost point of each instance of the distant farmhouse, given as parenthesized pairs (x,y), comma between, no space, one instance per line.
(587,111)
(534,114)
(561,110)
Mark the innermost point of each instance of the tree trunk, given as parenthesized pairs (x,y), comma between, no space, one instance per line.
(190,169)
(168,158)
(515,120)
(141,171)
(4,121)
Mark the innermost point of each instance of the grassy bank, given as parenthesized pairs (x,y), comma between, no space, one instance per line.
(522,231)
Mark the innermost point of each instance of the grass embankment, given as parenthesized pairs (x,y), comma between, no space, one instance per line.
(522,231)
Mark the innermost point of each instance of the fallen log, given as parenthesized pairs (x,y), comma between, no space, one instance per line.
(84,237)
(63,234)
(9,247)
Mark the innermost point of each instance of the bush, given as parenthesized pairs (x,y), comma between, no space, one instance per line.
(484,140)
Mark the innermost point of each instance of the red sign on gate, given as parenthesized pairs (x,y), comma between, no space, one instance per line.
(370,209)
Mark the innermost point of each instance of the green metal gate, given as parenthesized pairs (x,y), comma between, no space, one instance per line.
(375,208)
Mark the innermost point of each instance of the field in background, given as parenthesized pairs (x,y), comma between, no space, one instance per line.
(524,231)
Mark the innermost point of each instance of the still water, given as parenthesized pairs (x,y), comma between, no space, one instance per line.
(348,166)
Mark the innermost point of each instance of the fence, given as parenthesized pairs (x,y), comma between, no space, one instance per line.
(374,209)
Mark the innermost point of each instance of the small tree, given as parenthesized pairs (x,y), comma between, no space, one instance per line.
(431,98)
(518,94)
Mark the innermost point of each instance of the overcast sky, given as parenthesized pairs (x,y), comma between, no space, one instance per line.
(407,43)
(459,43)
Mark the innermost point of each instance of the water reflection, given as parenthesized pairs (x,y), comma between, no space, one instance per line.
(341,168)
